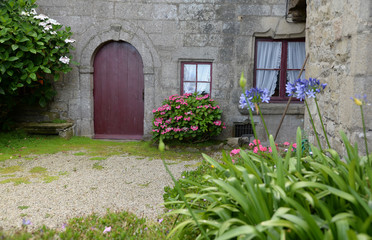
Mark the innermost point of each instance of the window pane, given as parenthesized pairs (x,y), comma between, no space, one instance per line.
(296,55)
(268,79)
(269,54)
(292,75)
(189,72)
(189,87)
(204,87)
(204,72)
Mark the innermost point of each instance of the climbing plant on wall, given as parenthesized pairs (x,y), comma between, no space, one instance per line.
(34,52)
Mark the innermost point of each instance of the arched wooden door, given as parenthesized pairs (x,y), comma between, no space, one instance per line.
(118,92)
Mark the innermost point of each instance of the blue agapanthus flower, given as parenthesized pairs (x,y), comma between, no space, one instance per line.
(303,88)
(254,96)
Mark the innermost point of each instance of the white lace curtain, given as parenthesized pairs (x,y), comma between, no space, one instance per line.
(296,57)
(203,78)
(268,57)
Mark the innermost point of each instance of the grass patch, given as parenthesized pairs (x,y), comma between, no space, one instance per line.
(39,170)
(98,158)
(49,179)
(16,144)
(80,154)
(123,225)
(11,169)
(23,207)
(63,173)
(97,166)
(144,184)
(9,175)
(16,181)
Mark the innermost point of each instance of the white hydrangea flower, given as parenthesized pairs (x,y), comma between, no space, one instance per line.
(41,17)
(33,11)
(52,21)
(64,60)
(69,40)
(48,27)
(23,13)
(53,32)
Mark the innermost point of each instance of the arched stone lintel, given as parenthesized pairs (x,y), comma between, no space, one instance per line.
(123,31)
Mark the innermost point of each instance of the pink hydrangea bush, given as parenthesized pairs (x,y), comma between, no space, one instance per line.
(188,117)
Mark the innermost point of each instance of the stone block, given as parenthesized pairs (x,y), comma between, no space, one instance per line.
(279,10)
(231,27)
(233,142)
(195,40)
(226,54)
(201,12)
(225,12)
(103,9)
(253,10)
(164,12)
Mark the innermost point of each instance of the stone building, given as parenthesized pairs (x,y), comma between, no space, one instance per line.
(339,43)
(169,41)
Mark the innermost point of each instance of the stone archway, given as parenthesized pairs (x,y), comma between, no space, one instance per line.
(113,31)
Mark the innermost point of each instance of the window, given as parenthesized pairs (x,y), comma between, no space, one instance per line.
(276,63)
(196,77)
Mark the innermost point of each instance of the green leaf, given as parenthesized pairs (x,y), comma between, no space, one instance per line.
(2,91)
(14,47)
(24,39)
(42,102)
(12,59)
(33,34)
(2,69)
(247,231)
(46,70)
(19,85)
(33,76)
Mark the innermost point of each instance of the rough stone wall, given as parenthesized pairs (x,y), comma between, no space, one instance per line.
(338,36)
(165,32)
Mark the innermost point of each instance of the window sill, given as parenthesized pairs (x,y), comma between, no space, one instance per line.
(295,108)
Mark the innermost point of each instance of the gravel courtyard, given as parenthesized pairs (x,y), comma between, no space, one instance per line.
(50,189)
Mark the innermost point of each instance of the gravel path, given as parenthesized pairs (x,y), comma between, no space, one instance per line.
(75,186)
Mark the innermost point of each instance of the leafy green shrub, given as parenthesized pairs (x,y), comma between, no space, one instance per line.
(34,49)
(290,197)
(189,117)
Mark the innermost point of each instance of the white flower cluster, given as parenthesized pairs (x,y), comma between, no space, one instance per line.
(65,60)
(47,23)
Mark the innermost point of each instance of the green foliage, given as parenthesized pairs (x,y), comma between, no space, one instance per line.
(188,118)
(123,226)
(34,50)
(274,197)
(18,144)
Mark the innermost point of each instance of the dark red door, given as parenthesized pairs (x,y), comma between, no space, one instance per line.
(118,92)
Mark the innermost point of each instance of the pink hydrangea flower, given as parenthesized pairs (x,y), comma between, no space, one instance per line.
(194,128)
(234,152)
(217,123)
(263,149)
(294,145)
(286,143)
(256,142)
(255,149)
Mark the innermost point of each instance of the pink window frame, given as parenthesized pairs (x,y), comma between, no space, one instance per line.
(196,64)
(283,67)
